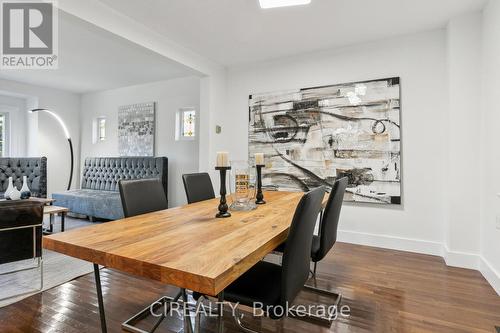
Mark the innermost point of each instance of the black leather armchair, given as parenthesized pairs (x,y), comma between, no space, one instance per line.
(21,233)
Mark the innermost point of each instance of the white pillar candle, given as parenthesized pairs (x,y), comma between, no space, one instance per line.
(222,159)
(259,159)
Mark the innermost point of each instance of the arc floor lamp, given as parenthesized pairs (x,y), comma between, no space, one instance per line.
(66,132)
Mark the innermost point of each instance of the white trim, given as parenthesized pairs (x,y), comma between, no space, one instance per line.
(452,258)
(391,242)
(490,274)
(461,259)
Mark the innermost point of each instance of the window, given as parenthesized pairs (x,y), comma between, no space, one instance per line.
(101,125)
(98,129)
(186,124)
(3,134)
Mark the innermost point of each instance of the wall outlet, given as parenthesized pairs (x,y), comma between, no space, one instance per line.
(497,225)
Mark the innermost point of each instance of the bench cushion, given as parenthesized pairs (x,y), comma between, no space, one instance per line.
(96,203)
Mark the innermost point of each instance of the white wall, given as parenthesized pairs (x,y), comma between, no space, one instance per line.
(44,135)
(463,59)
(213,83)
(420,61)
(425,222)
(169,96)
(490,152)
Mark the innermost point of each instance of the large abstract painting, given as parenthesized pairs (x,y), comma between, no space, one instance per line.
(312,136)
(136,129)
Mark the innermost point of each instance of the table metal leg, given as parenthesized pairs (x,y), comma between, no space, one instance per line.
(63,218)
(220,321)
(188,327)
(99,298)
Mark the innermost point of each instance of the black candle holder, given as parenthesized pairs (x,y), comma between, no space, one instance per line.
(223,203)
(260,195)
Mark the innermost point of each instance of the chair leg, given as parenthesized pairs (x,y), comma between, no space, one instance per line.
(220,322)
(38,266)
(237,319)
(188,327)
(197,319)
(313,271)
(129,324)
(336,303)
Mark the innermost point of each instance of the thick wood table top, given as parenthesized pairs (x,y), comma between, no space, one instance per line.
(185,246)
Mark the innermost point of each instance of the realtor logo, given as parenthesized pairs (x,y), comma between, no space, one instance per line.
(29,35)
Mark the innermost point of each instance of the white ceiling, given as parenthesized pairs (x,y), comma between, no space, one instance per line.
(238,31)
(92,59)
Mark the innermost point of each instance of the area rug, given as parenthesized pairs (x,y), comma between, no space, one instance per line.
(57,269)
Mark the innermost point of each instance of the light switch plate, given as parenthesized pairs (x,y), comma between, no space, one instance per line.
(497,225)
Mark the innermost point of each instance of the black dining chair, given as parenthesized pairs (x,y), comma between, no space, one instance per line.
(138,197)
(276,286)
(327,235)
(142,196)
(21,238)
(198,187)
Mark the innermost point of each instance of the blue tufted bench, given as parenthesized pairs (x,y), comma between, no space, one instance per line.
(34,168)
(99,195)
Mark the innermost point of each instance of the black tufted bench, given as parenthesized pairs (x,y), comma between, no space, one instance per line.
(99,196)
(34,168)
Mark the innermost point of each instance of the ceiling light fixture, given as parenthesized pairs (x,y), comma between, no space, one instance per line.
(265,4)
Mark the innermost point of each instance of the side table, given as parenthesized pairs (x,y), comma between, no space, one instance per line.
(54,210)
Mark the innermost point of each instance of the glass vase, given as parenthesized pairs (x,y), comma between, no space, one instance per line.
(242,186)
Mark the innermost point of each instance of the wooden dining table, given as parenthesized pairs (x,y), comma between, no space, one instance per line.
(185,246)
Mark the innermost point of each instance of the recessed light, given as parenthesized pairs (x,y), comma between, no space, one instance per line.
(282,3)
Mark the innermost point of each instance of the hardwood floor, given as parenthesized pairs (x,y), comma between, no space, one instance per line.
(387,291)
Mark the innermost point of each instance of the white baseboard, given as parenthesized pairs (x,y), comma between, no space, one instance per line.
(452,258)
(490,274)
(391,242)
(461,259)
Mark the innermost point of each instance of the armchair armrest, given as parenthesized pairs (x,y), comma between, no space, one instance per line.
(20,230)
(24,213)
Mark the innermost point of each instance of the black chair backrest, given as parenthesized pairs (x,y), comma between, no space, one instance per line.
(198,187)
(330,221)
(297,255)
(142,196)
